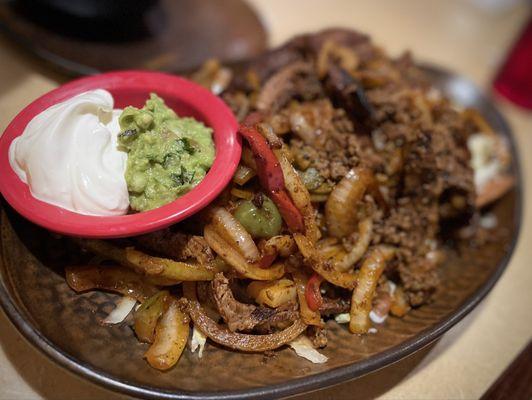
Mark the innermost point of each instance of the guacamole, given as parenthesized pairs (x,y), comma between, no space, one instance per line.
(167,155)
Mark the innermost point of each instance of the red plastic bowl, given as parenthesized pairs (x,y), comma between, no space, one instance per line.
(128,88)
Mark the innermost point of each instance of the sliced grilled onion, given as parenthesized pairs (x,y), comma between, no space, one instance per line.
(232,231)
(282,245)
(171,336)
(109,277)
(273,293)
(234,340)
(299,194)
(400,305)
(307,315)
(349,260)
(340,209)
(301,127)
(172,271)
(159,271)
(213,76)
(361,300)
(197,342)
(347,280)
(237,261)
(148,314)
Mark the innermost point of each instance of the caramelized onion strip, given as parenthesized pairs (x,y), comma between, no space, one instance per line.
(232,231)
(348,260)
(274,293)
(400,305)
(346,280)
(237,261)
(299,194)
(307,315)
(147,315)
(112,278)
(341,206)
(282,245)
(160,271)
(361,300)
(234,340)
(171,336)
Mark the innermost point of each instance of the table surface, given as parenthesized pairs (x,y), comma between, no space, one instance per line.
(453,33)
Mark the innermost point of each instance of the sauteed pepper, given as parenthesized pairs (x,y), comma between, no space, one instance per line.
(270,173)
(312,292)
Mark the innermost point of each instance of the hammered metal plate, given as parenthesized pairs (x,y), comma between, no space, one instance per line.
(67,327)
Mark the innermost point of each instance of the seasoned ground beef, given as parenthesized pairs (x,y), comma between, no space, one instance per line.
(367,170)
(359,107)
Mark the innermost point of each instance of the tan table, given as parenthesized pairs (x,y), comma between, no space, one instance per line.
(467,360)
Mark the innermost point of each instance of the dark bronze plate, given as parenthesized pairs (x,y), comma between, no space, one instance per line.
(65,326)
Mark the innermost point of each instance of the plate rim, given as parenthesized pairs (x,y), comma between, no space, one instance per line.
(311,382)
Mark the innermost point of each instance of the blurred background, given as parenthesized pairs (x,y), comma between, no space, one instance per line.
(44,43)
(492,39)
(78,37)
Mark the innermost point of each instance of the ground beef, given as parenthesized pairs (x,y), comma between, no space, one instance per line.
(381,114)
(434,183)
(412,228)
(334,149)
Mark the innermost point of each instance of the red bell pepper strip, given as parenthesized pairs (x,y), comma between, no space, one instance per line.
(268,169)
(312,292)
(270,174)
(288,210)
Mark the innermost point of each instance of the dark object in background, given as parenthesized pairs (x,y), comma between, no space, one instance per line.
(514,80)
(89,36)
(514,383)
(94,8)
(93,20)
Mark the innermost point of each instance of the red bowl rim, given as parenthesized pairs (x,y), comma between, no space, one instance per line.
(213,109)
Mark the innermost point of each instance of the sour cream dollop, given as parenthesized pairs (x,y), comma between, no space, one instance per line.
(68,156)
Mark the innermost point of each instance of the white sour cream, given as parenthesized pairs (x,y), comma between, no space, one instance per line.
(68,156)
